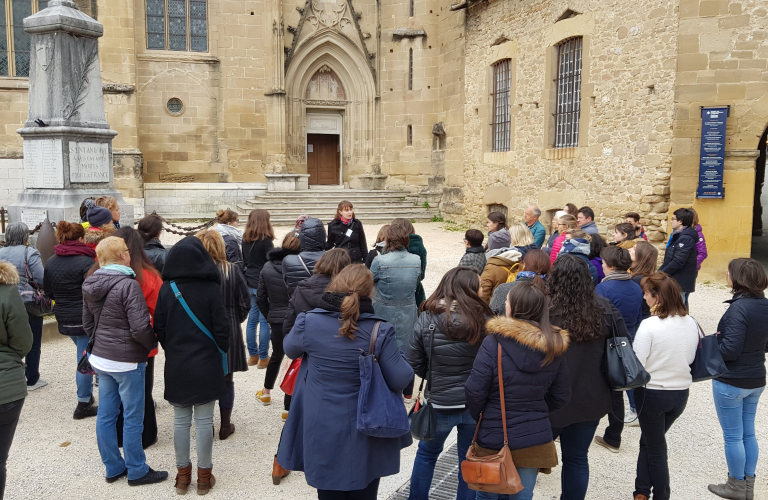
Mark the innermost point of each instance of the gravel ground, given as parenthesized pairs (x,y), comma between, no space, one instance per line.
(54,456)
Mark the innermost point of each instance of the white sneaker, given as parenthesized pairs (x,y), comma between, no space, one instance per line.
(40,383)
(630,419)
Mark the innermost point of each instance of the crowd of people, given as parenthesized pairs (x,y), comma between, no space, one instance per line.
(511,343)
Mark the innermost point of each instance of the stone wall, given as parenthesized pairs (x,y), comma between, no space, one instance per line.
(622,161)
(197,200)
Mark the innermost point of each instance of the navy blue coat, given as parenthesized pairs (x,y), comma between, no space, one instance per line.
(680,259)
(627,297)
(320,436)
(743,340)
(531,390)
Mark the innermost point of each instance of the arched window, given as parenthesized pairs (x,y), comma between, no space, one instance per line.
(177,25)
(568,93)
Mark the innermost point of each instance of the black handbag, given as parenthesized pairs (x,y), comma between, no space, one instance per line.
(84,366)
(36,302)
(708,363)
(622,368)
(422,416)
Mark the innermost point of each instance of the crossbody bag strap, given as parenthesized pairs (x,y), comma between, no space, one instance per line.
(192,316)
(503,407)
(303,264)
(374,336)
(431,353)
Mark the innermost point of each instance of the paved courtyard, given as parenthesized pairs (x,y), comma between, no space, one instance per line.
(54,456)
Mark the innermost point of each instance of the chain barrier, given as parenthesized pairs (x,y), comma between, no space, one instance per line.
(181,230)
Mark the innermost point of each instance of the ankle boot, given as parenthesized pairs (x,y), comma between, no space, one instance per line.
(205,480)
(732,489)
(183,479)
(278,472)
(750,487)
(227,427)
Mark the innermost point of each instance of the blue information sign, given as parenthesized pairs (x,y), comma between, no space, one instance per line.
(712,154)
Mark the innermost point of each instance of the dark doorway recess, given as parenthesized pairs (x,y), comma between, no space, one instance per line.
(759,215)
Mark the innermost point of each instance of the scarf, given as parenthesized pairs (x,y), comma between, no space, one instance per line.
(227,230)
(528,276)
(120,268)
(345,221)
(331,301)
(74,247)
(618,276)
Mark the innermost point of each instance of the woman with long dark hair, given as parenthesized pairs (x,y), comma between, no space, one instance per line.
(596,245)
(257,242)
(150,228)
(535,378)
(535,268)
(347,232)
(644,258)
(443,347)
(498,235)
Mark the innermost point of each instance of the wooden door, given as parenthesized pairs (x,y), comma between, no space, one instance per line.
(323,158)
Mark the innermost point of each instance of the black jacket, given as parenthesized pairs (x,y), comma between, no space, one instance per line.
(590,394)
(63,283)
(307,296)
(272,295)
(254,257)
(312,238)
(193,365)
(354,243)
(234,254)
(531,391)
(416,247)
(156,253)
(372,255)
(452,360)
(743,339)
(680,259)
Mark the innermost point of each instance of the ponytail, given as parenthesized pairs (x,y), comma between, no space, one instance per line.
(350,312)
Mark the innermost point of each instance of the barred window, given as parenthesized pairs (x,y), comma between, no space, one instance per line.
(411,7)
(15,43)
(180,25)
(409,136)
(501,132)
(568,93)
(410,69)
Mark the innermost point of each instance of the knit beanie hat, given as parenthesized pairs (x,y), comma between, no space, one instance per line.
(97,216)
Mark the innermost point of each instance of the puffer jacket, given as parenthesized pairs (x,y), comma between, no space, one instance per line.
(498,270)
(451,360)
(272,295)
(701,247)
(63,282)
(416,247)
(15,255)
(680,259)
(626,296)
(354,243)
(743,340)
(156,253)
(116,314)
(312,239)
(498,239)
(233,239)
(307,296)
(531,391)
(15,337)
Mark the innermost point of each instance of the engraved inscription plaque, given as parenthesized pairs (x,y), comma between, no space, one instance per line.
(43,164)
(88,162)
(32,217)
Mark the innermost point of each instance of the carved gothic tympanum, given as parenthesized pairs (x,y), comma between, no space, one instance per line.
(325,86)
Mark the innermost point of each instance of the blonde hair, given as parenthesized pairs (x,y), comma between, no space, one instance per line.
(520,235)
(569,220)
(213,243)
(108,202)
(110,251)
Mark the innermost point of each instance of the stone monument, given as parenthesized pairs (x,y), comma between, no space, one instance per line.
(67,141)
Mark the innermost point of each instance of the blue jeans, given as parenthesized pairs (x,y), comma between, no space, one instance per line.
(736,410)
(528,477)
(575,440)
(84,382)
(255,317)
(128,388)
(428,452)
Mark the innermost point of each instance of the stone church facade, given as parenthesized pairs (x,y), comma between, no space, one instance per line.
(477,105)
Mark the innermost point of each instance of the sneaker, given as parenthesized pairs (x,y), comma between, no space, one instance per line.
(37,385)
(599,440)
(151,477)
(253,360)
(408,399)
(112,479)
(85,410)
(630,419)
(285,416)
(262,363)
(265,399)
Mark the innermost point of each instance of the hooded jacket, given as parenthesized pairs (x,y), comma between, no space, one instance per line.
(312,239)
(94,235)
(233,240)
(354,243)
(743,340)
(272,295)
(680,258)
(498,239)
(156,253)
(65,273)
(193,367)
(416,247)
(15,337)
(115,314)
(580,248)
(531,391)
(307,296)
(497,271)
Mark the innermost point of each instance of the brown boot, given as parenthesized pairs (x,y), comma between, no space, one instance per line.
(263,363)
(205,480)
(183,479)
(641,497)
(227,427)
(278,472)
(253,360)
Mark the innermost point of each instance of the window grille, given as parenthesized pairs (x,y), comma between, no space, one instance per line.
(180,25)
(410,69)
(568,93)
(15,45)
(411,12)
(501,133)
(409,135)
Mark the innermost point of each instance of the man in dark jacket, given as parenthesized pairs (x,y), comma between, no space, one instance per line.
(299,267)
(680,257)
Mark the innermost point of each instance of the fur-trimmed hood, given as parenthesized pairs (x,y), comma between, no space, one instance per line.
(527,335)
(93,235)
(8,274)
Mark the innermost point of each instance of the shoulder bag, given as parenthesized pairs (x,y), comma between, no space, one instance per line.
(201,326)
(84,365)
(622,368)
(708,363)
(380,410)
(494,473)
(35,300)
(422,415)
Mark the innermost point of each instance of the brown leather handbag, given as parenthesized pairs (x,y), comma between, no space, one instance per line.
(494,473)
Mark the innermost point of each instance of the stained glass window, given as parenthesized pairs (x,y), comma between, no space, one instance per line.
(198,26)
(15,52)
(4,70)
(177,25)
(156,24)
(21,51)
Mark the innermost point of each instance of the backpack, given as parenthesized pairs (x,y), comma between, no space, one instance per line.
(512,272)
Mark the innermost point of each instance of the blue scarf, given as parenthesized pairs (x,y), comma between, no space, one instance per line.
(529,275)
(121,268)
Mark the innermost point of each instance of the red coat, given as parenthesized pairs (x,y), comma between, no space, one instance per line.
(151,289)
